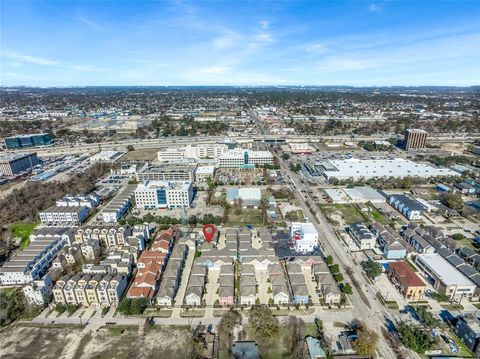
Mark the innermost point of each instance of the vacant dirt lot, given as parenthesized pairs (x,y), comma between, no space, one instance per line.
(113,342)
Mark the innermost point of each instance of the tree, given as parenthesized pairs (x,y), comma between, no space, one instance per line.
(293,337)
(347,288)
(264,325)
(329,260)
(229,320)
(334,268)
(415,338)
(372,268)
(285,156)
(338,277)
(130,148)
(453,200)
(366,344)
(263,206)
(132,306)
(458,236)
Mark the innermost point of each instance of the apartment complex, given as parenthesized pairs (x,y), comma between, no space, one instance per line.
(13,164)
(409,284)
(415,139)
(164,194)
(362,236)
(304,236)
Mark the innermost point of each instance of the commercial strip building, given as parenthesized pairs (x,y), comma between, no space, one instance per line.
(444,277)
(304,237)
(167,172)
(244,158)
(13,164)
(164,194)
(409,284)
(355,169)
(23,141)
(415,139)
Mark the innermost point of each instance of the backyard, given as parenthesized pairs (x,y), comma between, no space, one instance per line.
(23,230)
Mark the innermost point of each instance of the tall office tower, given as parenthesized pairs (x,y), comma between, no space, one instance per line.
(415,139)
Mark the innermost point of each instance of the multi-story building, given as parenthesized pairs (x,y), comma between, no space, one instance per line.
(64,215)
(415,139)
(163,194)
(37,292)
(468,330)
(13,164)
(171,154)
(90,200)
(85,289)
(244,158)
(34,261)
(444,277)
(389,241)
(304,236)
(362,236)
(410,208)
(167,172)
(411,286)
(36,139)
(210,150)
(119,206)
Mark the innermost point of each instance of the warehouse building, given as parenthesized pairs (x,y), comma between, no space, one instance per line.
(248,197)
(164,194)
(13,164)
(355,169)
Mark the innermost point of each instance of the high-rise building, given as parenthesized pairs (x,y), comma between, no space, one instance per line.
(164,194)
(415,139)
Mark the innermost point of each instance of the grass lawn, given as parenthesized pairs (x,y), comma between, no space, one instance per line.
(164,313)
(349,212)
(23,230)
(247,216)
(141,154)
(192,313)
(377,216)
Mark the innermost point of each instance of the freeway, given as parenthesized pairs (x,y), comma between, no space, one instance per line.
(365,305)
(178,140)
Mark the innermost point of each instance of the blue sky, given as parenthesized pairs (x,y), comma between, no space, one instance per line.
(358,43)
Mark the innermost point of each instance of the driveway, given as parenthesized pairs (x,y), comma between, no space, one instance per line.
(261,277)
(183,284)
(211,295)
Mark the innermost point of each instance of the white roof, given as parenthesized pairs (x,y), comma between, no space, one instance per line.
(448,273)
(207,170)
(250,193)
(397,167)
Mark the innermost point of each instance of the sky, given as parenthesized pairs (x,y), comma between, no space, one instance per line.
(154,43)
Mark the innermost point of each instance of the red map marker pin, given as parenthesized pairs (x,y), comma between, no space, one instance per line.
(209,231)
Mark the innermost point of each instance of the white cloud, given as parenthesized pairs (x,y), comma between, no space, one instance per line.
(264,24)
(90,23)
(30,59)
(374,8)
(226,40)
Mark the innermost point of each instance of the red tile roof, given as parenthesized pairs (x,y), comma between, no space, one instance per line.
(151,267)
(406,274)
(139,292)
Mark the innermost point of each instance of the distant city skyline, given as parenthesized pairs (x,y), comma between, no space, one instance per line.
(181,43)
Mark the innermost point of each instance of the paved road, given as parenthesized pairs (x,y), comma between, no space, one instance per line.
(169,141)
(370,310)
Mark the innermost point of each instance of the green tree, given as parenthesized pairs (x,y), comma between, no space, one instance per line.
(415,338)
(265,326)
(453,200)
(367,341)
(329,260)
(347,288)
(372,268)
(229,320)
(285,156)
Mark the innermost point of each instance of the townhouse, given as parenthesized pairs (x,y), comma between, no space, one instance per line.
(411,286)
(389,241)
(362,236)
